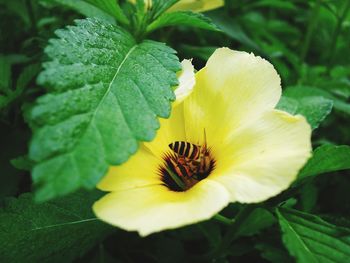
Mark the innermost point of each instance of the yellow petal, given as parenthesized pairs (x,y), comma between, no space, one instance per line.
(197,5)
(148,3)
(263,159)
(231,91)
(186,81)
(155,208)
(171,130)
(139,171)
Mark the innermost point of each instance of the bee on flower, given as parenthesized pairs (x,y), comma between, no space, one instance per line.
(224,142)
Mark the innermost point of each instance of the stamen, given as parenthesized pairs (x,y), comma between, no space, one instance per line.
(183,169)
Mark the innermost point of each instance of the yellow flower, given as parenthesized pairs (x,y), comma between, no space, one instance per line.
(197,5)
(243,150)
(193,5)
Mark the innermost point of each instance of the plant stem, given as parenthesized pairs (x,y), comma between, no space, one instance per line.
(310,30)
(336,33)
(31,15)
(223,219)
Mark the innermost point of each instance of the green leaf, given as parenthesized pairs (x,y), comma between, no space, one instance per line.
(273,4)
(314,108)
(84,8)
(200,52)
(310,239)
(22,163)
(12,141)
(288,104)
(303,91)
(49,232)
(309,194)
(5,82)
(26,76)
(5,73)
(212,232)
(273,253)
(327,158)
(106,92)
(184,18)
(160,6)
(232,29)
(112,8)
(257,220)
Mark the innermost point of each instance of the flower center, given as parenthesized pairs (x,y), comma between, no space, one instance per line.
(185,165)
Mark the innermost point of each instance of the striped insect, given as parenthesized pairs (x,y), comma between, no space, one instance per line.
(191,160)
(186,149)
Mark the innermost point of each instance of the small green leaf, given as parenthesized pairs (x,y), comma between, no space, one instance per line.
(310,239)
(160,6)
(28,74)
(4,101)
(22,163)
(302,91)
(314,108)
(105,94)
(327,158)
(5,74)
(5,82)
(288,104)
(309,194)
(274,253)
(49,232)
(112,8)
(184,18)
(257,220)
(8,95)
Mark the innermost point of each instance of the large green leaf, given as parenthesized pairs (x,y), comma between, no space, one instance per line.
(327,158)
(56,231)
(105,93)
(185,18)
(310,239)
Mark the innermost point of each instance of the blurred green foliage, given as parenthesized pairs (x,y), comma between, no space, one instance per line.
(309,44)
